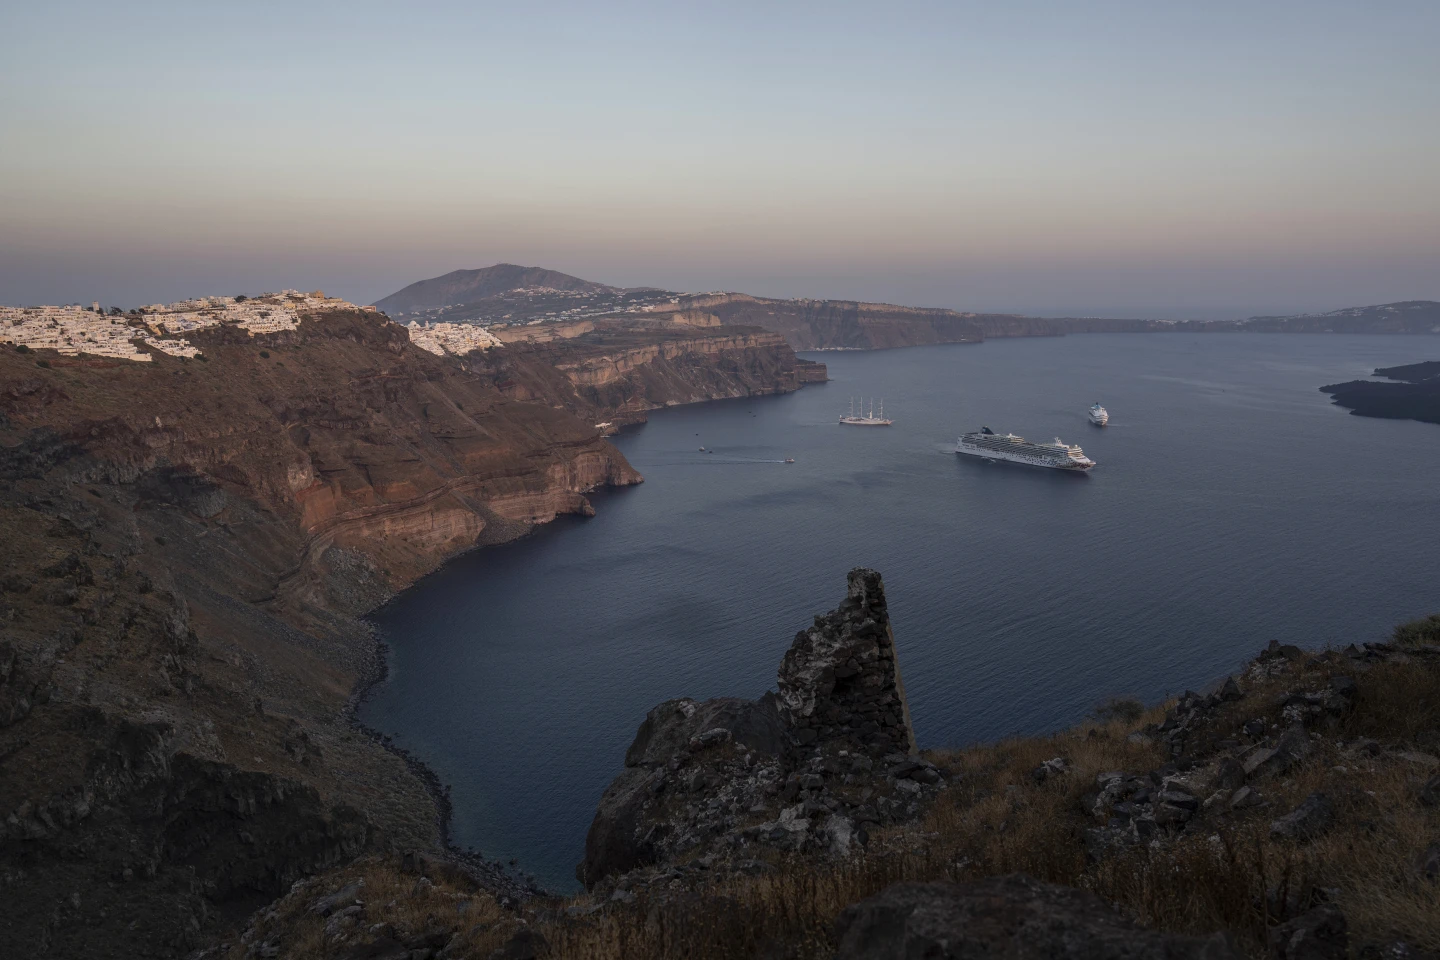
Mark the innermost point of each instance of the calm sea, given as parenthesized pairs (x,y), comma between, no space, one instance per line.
(1232,505)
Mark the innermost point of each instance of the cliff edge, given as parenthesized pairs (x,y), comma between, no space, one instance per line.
(189,543)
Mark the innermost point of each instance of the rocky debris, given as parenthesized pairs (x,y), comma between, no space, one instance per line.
(1396,950)
(1174,806)
(815,768)
(1429,862)
(1010,917)
(1191,715)
(1229,774)
(1430,793)
(1244,797)
(345,897)
(1276,651)
(1306,822)
(1318,934)
(526,944)
(1053,767)
(24,682)
(1293,747)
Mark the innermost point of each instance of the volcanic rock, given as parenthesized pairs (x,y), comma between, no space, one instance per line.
(840,677)
(1010,917)
(697,773)
(1318,934)
(1307,821)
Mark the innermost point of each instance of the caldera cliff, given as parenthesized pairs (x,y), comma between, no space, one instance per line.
(189,543)
(854,325)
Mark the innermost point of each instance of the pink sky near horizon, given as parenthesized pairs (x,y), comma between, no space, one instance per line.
(1131,159)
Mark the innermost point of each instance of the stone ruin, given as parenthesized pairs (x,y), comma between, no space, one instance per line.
(840,683)
(813,768)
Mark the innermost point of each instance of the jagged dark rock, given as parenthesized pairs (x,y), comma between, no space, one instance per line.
(1307,821)
(1429,862)
(1430,792)
(526,944)
(697,772)
(1318,934)
(1011,917)
(677,727)
(840,682)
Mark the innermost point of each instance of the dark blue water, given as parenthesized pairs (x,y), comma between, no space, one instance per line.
(1232,504)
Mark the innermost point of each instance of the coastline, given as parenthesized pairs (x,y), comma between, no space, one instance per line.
(489,874)
(509,887)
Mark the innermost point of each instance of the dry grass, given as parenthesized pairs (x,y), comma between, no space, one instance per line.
(396,904)
(1398,701)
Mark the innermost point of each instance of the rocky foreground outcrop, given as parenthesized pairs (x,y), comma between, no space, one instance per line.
(1291,812)
(815,768)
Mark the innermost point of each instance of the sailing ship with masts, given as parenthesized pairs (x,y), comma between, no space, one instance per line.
(862,419)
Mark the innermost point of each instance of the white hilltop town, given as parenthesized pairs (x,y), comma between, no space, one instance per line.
(72,330)
(443,338)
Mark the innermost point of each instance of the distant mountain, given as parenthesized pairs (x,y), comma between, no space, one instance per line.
(507,294)
(468,286)
(1406,316)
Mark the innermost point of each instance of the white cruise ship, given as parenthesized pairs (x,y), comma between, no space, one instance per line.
(1099,415)
(992,446)
(866,420)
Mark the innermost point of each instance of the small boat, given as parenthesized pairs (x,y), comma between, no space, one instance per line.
(1099,415)
(702,449)
(789,459)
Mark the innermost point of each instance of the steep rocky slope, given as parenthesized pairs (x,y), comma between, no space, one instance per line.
(188,543)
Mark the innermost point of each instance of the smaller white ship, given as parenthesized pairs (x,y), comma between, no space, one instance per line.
(862,419)
(1099,415)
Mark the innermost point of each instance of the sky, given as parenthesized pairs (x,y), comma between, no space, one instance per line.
(1068,158)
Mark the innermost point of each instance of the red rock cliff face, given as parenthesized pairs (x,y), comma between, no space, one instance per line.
(341,426)
(187,544)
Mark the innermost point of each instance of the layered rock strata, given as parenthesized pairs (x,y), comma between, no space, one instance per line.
(188,542)
(854,325)
(814,768)
(618,370)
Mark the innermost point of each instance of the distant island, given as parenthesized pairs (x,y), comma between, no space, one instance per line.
(1415,394)
(526,301)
